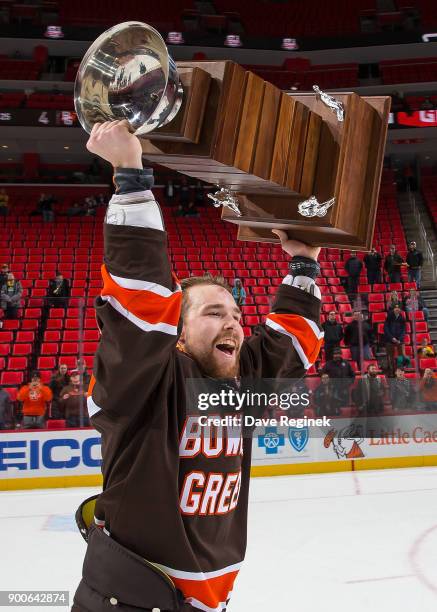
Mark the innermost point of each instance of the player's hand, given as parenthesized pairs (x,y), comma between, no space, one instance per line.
(114,142)
(294,247)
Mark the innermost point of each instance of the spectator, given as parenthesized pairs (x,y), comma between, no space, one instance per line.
(333,335)
(72,402)
(169,191)
(298,387)
(58,292)
(184,197)
(10,296)
(90,207)
(76,210)
(341,370)
(394,301)
(6,411)
(401,391)
(394,335)
(102,199)
(425,350)
(353,267)
(82,369)
(400,103)
(34,396)
(403,361)
(58,381)
(369,393)
(326,400)
(426,105)
(415,263)
(428,390)
(4,203)
(409,178)
(352,337)
(392,265)
(46,207)
(4,274)
(373,261)
(414,301)
(238,292)
(191,209)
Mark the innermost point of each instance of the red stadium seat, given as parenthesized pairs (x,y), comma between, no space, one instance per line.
(429,362)
(25,336)
(69,360)
(22,349)
(89,348)
(91,335)
(71,335)
(46,363)
(52,336)
(17,363)
(70,348)
(54,324)
(57,313)
(32,313)
(11,324)
(11,379)
(89,360)
(5,349)
(49,348)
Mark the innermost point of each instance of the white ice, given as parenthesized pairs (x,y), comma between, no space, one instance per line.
(362,541)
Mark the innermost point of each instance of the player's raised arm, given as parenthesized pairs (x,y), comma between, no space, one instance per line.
(290,341)
(139,305)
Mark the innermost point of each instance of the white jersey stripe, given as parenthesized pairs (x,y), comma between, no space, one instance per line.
(199,575)
(131,283)
(306,364)
(144,325)
(319,334)
(92,406)
(198,604)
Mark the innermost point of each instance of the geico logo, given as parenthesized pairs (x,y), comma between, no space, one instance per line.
(52,454)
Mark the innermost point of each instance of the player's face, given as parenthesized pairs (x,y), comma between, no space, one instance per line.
(212,332)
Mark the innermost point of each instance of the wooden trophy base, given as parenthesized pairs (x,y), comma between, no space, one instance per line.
(274,151)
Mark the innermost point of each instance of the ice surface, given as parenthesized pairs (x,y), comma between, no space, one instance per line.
(365,541)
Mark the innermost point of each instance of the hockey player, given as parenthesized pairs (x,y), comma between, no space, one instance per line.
(169,528)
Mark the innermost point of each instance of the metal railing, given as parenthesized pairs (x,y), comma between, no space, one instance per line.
(422,239)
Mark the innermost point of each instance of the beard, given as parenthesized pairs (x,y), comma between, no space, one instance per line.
(211,364)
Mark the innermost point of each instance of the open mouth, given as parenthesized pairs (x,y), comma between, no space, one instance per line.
(227,348)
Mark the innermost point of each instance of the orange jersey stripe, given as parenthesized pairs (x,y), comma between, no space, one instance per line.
(145,305)
(300,328)
(211,592)
(91,386)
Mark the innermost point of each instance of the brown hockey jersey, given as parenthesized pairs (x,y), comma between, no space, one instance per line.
(176,498)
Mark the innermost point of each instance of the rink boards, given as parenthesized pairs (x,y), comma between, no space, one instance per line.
(72,457)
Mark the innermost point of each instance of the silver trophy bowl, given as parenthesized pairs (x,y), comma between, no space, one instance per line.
(127,73)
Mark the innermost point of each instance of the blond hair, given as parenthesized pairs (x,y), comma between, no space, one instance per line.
(196,281)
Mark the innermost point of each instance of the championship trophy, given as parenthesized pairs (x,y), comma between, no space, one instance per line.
(307,163)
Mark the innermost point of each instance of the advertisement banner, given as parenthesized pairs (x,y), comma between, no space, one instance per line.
(72,457)
(358,438)
(49,453)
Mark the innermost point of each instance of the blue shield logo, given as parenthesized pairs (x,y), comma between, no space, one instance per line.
(298,437)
